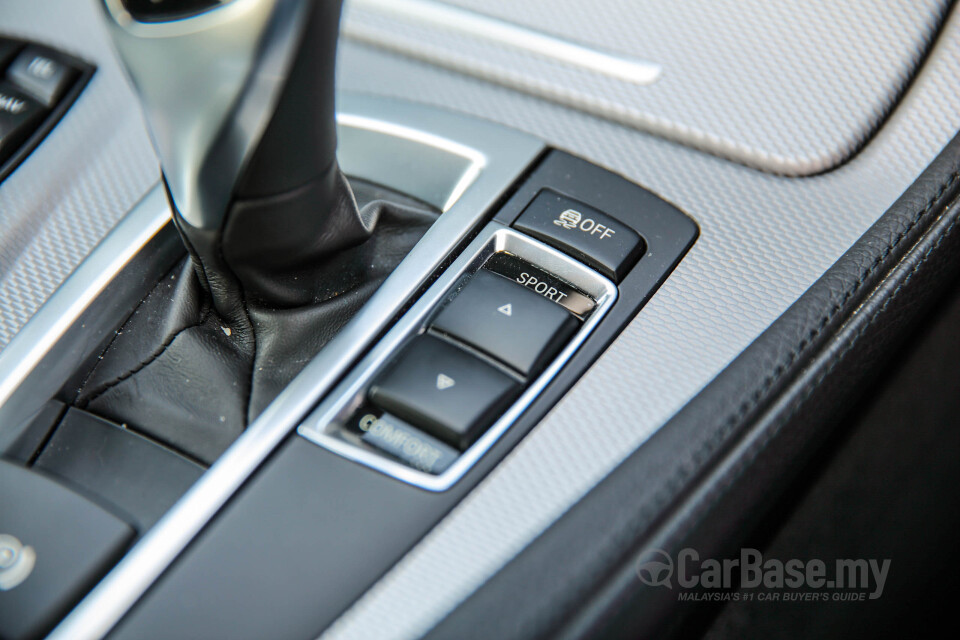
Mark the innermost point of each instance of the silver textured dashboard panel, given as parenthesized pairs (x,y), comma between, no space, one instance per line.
(788,87)
(92,168)
(764,240)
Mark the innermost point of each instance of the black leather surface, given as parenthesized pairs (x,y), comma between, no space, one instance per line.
(704,478)
(275,245)
(885,490)
(191,377)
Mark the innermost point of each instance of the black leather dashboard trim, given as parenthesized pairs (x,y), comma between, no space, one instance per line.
(704,479)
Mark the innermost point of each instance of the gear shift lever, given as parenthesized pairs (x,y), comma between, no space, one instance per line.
(239,96)
(239,99)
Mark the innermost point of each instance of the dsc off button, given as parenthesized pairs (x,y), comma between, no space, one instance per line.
(591,235)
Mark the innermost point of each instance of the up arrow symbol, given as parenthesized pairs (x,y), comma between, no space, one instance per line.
(506,310)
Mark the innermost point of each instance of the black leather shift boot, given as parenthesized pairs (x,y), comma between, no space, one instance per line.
(185,373)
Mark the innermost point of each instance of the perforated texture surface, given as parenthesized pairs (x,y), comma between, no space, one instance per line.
(789,87)
(85,175)
(764,240)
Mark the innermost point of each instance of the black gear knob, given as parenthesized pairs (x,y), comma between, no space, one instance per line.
(239,99)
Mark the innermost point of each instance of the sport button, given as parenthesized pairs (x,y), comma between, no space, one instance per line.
(591,235)
(511,323)
(540,282)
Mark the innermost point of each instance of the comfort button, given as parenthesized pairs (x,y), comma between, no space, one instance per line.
(591,235)
(443,390)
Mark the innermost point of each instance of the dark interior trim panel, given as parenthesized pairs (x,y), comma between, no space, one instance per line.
(707,477)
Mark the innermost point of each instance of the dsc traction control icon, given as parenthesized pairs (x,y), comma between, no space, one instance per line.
(573,220)
(16,562)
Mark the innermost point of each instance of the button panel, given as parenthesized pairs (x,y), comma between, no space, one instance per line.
(19,116)
(528,309)
(459,367)
(37,86)
(453,384)
(40,72)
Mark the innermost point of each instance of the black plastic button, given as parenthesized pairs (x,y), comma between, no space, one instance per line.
(42,74)
(137,475)
(8,48)
(443,390)
(19,116)
(507,321)
(54,545)
(590,235)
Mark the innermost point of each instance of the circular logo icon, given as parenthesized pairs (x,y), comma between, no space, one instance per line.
(655,568)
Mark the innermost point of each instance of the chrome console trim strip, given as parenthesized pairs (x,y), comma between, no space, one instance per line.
(323,423)
(62,309)
(464,21)
(505,155)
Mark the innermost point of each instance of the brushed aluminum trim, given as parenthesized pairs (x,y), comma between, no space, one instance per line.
(230,62)
(470,23)
(378,151)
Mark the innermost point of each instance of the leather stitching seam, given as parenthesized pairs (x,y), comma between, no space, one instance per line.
(145,363)
(104,351)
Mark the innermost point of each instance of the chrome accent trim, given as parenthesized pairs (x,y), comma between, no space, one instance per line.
(450,18)
(324,423)
(378,151)
(506,154)
(64,307)
(230,64)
